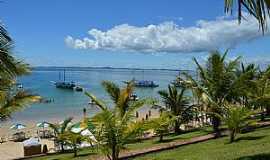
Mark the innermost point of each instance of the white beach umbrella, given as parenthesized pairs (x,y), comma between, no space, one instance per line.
(18,126)
(77,128)
(43,124)
(88,133)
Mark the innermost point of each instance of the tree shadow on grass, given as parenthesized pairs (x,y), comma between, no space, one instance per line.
(264,156)
(247,138)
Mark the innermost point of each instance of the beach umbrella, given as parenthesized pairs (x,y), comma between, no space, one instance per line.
(77,128)
(17,126)
(86,132)
(43,124)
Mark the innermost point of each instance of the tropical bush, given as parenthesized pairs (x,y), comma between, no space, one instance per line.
(162,124)
(72,139)
(236,118)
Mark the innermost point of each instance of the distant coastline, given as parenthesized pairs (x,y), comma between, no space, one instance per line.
(71,68)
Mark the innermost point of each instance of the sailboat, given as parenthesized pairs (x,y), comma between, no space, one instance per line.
(64,84)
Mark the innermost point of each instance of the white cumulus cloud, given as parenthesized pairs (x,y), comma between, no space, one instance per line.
(169,37)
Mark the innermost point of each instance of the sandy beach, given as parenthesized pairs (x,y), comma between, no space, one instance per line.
(11,150)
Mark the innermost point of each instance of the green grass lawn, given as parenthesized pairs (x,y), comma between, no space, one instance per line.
(170,138)
(250,146)
(87,153)
(84,154)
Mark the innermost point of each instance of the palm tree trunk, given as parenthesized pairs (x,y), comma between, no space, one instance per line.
(216,124)
(75,150)
(267,111)
(177,129)
(232,135)
(262,116)
(161,138)
(114,153)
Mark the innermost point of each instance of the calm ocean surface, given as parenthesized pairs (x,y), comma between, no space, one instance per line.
(70,103)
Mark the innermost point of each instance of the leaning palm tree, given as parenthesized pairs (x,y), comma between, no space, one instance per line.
(257,8)
(11,99)
(116,126)
(178,104)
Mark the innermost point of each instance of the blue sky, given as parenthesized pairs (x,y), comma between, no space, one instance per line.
(40,28)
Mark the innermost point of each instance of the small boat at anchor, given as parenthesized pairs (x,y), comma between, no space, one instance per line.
(143,83)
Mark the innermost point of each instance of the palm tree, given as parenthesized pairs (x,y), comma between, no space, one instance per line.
(246,85)
(11,100)
(260,95)
(116,126)
(257,8)
(59,130)
(162,124)
(178,104)
(216,84)
(236,118)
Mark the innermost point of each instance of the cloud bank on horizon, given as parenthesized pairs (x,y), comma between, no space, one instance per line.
(168,37)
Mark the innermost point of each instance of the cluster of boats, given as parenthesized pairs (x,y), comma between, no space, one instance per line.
(66,84)
(71,85)
(143,83)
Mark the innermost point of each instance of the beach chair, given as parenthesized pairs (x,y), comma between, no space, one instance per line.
(32,150)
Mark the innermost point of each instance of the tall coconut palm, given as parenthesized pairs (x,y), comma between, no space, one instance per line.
(248,73)
(116,126)
(11,100)
(217,82)
(257,8)
(178,104)
(260,95)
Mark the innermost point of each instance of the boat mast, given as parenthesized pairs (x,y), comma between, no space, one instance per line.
(64,75)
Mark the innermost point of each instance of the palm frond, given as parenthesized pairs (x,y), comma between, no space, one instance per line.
(16,103)
(257,8)
(99,103)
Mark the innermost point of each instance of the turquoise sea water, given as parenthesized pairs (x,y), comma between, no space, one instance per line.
(70,103)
